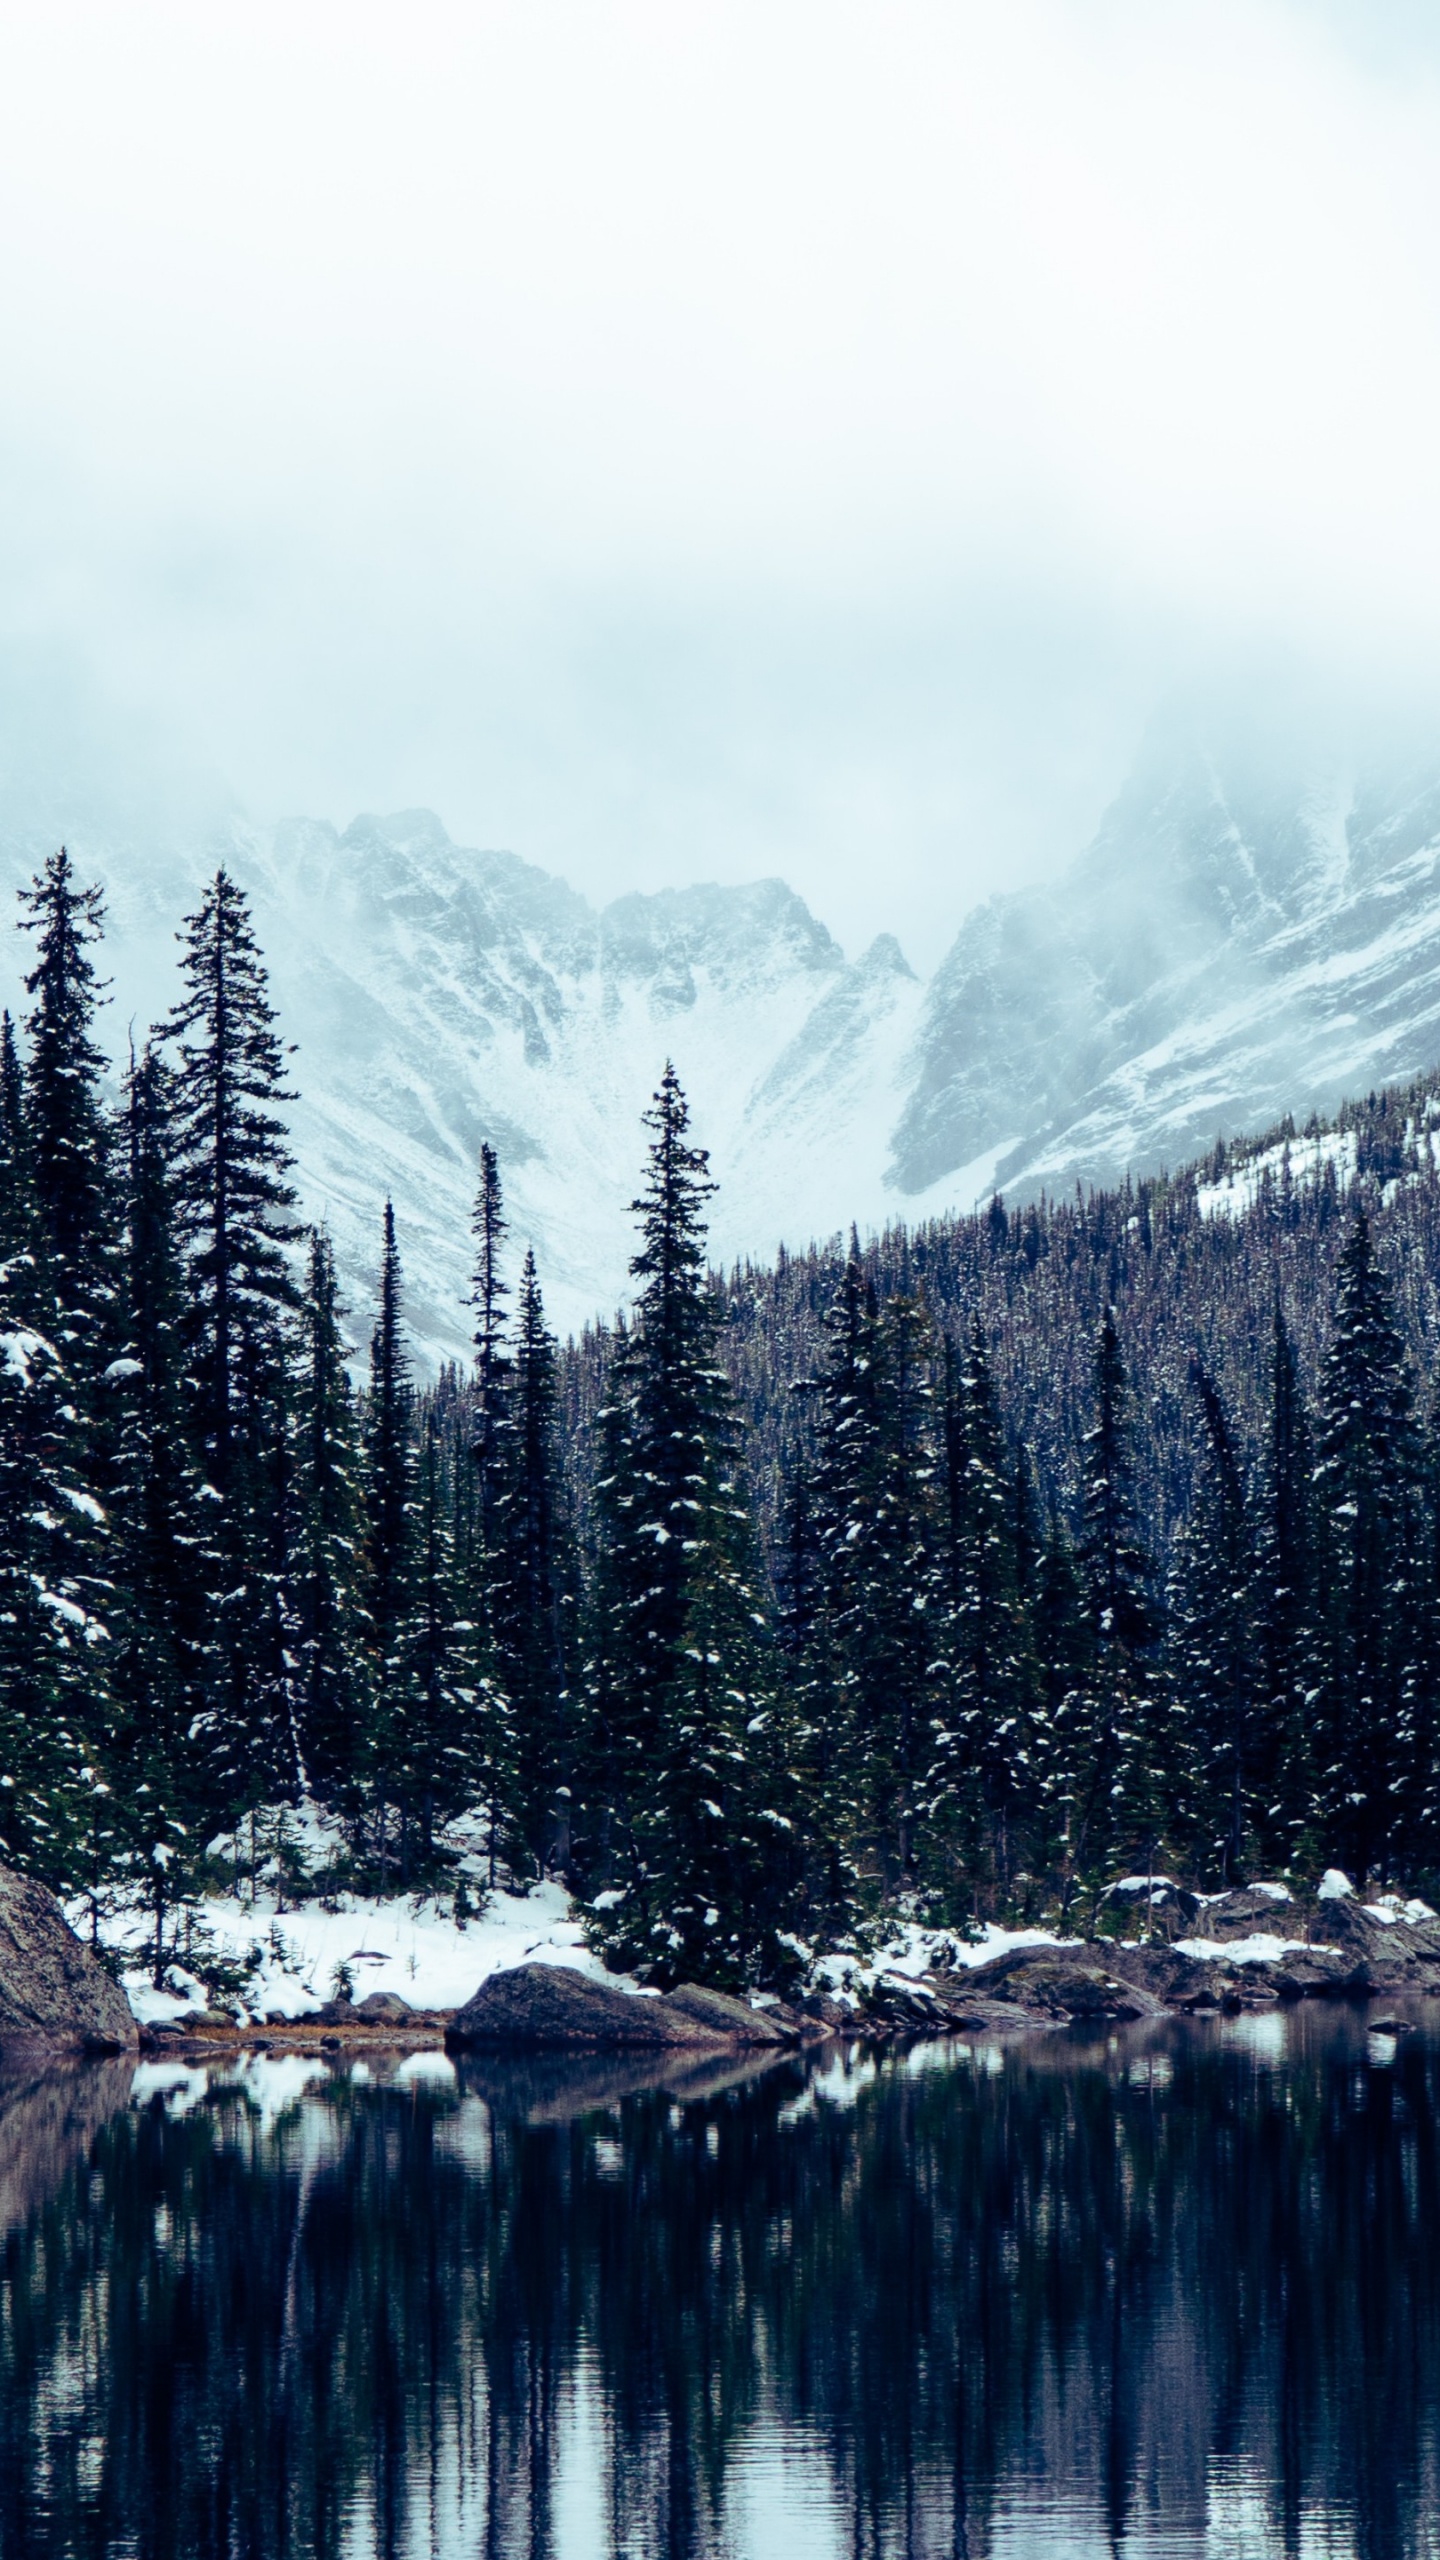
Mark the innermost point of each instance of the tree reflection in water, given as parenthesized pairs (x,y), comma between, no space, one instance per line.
(1177,2292)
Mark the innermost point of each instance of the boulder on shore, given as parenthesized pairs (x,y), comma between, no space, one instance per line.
(51,1987)
(1064,1982)
(733,2019)
(550,2004)
(384,2009)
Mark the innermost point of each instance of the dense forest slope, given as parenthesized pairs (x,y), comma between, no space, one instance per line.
(975,1569)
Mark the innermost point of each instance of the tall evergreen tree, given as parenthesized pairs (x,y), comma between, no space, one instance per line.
(1287,1609)
(232,1159)
(328,1567)
(389,1538)
(492,1359)
(57,1289)
(818,1712)
(987,1746)
(1216,1654)
(69,1281)
(160,1656)
(849,1704)
(17,1200)
(1063,1640)
(1117,1739)
(233,1212)
(1367,1488)
(905,1679)
(448,1748)
(534,1578)
(701,1837)
(66,1128)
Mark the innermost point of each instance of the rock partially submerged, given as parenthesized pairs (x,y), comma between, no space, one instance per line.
(52,1989)
(536,2006)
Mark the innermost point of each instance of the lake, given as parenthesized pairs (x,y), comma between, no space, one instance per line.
(1172,2291)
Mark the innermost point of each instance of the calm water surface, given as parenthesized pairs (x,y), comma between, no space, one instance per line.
(1176,2292)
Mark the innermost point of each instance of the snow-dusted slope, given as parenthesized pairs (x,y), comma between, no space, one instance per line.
(1248,934)
(1238,942)
(439,996)
(442,996)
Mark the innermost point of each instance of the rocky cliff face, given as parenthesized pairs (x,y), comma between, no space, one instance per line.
(51,1987)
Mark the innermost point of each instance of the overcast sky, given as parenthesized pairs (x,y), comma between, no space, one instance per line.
(685,441)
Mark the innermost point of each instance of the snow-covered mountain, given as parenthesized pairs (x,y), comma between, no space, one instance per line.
(1246,936)
(439,996)
(1251,932)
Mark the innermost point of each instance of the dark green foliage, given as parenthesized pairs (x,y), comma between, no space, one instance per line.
(1367,1483)
(232,1162)
(1096,1535)
(389,1541)
(1287,1611)
(1218,1662)
(492,1361)
(696,1830)
(160,1658)
(987,1756)
(332,1657)
(533,1590)
(67,1136)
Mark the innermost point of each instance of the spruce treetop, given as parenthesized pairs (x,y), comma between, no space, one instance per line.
(63,1118)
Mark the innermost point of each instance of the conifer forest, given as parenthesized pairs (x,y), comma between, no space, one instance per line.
(963,1571)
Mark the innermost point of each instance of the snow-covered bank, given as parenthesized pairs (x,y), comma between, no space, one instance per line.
(292,1962)
(913,1951)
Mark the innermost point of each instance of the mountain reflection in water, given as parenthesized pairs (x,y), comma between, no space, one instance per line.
(1173,2292)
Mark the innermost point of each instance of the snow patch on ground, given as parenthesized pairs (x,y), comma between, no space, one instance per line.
(1239,1187)
(294,1959)
(915,1950)
(1393,1907)
(1262,1948)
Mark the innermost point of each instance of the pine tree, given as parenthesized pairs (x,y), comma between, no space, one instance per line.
(232,1159)
(254,1724)
(1118,1739)
(905,1680)
(233,1203)
(328,1566)
(533,1581)
(159,1656)
(66,1130)
(810,1675)
(1367,1490)
(389,1539)
(17,1199)
(849,1705)
(984,1750)
(1062,1636)
(54,1706)
(450,1748)
(70,1283)
(492,1360)
(56,1332)
(692,1747)
(1286,1608)
(1218,1662)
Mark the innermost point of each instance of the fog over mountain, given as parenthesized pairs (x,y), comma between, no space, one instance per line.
(1255,929)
